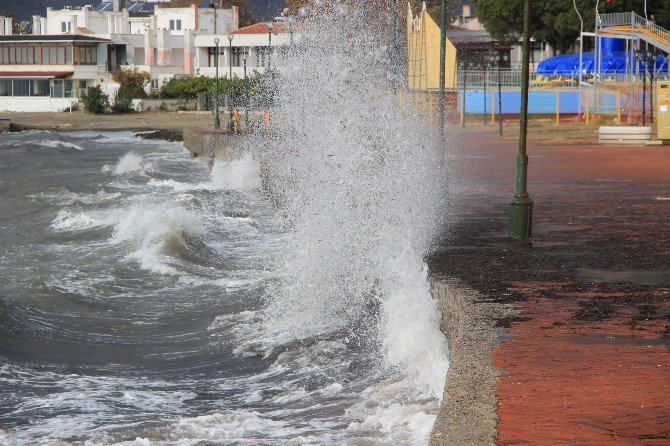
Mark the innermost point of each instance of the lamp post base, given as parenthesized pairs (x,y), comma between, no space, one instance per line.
(521,217)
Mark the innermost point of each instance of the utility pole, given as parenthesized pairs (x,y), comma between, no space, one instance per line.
(394,45)
(521,207)
(443,61)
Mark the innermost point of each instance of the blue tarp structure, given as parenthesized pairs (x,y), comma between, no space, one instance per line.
(613,62)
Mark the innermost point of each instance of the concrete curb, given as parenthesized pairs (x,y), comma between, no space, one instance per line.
(473,328)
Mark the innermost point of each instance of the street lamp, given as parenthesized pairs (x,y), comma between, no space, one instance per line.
(246,93)
(270,26)
(486,77)
(494,57)
(217,119)
(231,126)
(464,73)
(443,62)
(521,206)
(651,57)
(642,58)
(230,42)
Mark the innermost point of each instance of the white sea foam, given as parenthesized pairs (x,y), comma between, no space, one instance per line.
(56,144)
(68,221)
(241,175)
(359,179)
(129,163)
(148,226)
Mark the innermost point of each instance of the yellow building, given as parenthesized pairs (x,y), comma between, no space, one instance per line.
(423,53)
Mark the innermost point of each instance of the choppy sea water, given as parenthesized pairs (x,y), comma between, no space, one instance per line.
(135,284)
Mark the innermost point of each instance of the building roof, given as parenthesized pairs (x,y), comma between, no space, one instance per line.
(262,28)
(465,36)
(52,38)
(37,74)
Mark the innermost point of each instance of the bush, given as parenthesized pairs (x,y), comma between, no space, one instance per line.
(190,87)
(94,100)
(132,82)
(123,104)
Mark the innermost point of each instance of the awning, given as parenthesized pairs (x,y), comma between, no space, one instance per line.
(37,74)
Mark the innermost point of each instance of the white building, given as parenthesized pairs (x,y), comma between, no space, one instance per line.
(153,37)
(48,73)
(255,47)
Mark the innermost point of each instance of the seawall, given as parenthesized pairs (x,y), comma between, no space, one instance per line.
(472,326)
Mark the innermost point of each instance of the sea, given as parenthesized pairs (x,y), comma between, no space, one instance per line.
(277,296)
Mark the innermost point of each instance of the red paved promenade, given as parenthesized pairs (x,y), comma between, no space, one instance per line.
(588,360)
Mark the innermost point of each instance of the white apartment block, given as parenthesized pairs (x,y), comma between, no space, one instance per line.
(46,71)
(241,52)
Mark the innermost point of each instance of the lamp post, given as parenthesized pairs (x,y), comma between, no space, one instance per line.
(464,71)
(443,62)
(521,206)
(231,126)
(651,57)
(246,93)
(270,26)
(494,56)
(394,45)
(230,42)
(217,119)
(486,67)
(642,58)
(581,55)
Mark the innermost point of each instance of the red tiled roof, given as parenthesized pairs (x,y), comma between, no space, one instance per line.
(262,28)
(37,74)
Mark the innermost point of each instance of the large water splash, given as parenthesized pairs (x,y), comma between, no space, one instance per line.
(359,179)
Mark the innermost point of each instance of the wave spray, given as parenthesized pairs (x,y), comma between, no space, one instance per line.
(357,176)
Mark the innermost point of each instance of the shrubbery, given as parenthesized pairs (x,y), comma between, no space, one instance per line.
(94,100)
(132,82)
(190,87)
(122,104)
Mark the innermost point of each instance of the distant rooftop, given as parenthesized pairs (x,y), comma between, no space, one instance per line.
(51,38)
(133,7)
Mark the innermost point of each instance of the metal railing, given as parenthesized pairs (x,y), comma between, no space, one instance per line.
(512,79)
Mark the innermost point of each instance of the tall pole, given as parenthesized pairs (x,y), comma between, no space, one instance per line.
(217,119)
(644,92)
(651,57)
(246,94)
(443,61)
(521,207)
(486,76)
(270,26)
(394,45)
(231,125)
(465,83)
(500,117)
(230,48)
(581,54)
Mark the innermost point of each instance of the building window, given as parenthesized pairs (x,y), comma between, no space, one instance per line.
(39,87)
(175,25)
(238,56)
(21,87)
(154,83)
(5,87)
(65,27)
(61,88)
(24,87)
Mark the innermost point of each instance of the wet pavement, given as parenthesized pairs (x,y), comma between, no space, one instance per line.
(588,357)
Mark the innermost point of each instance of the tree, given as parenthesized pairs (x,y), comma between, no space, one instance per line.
(555,21)
(132,81)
